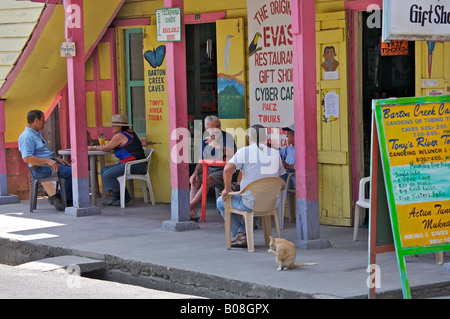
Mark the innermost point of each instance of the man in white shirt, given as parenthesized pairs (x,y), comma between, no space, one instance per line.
(254,161)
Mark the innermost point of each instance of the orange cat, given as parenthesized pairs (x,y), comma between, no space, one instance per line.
(285,253)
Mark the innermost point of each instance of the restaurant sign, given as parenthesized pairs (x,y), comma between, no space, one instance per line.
(416,20)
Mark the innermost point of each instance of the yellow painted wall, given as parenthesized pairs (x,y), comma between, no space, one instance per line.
(158,131)
(144,8)
(17,21)
(45,71)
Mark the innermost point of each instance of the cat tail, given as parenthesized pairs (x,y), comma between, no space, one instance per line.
(305,264)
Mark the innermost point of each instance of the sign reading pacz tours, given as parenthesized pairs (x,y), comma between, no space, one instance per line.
(416,157)
(421,20)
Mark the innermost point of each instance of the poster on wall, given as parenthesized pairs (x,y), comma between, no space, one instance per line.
(157,111)
(231,68)
(270,67)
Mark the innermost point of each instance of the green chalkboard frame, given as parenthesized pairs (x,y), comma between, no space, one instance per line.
(401,251)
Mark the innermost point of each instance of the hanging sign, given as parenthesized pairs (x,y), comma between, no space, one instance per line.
(416,20)
(271,89)
(168,24)
(68,49)
(394,47)
(414,139)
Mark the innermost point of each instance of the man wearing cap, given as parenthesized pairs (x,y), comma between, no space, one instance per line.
(216,145)
(288,154)
(127,147)
(37,154)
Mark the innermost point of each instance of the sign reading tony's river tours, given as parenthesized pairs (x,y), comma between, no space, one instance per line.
(414,135)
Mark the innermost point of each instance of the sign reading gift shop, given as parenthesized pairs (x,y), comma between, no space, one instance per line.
(270,65)
(414,140)
(417,20)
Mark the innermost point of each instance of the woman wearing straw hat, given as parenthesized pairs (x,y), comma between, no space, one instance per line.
(127,147)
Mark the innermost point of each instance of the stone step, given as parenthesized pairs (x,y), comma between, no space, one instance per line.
(69,263)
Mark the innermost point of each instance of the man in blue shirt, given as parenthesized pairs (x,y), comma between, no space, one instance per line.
(216,145)
(37,154)
(288,154)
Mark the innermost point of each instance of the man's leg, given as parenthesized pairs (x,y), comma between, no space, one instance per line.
(43,172)
(195,195)
(66,173)
(237,223)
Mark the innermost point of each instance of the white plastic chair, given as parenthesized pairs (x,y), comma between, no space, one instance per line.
(265,193)
(361,204)
(290,194)
(145,179)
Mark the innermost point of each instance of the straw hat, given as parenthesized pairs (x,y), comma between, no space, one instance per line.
(119,119)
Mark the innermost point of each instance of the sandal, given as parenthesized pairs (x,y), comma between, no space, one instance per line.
(194,218)
(240,240)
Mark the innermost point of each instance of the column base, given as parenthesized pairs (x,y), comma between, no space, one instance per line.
(313,244)
(177,226)
(9,199)
(82,211)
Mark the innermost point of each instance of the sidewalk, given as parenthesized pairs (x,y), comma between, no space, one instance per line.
(138,251)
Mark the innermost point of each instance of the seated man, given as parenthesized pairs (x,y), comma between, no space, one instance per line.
(254,161)
(217,145)
(37,154)
(288,154)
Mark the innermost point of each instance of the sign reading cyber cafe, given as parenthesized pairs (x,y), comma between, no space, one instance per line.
(416,20)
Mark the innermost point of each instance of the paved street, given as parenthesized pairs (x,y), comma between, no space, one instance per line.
(136,250)
(19,283)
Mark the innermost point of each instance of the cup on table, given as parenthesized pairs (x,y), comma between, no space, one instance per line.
(101,141)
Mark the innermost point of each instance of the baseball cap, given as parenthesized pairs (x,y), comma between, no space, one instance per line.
(289,128)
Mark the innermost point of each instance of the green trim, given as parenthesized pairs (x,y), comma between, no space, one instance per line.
(129,84)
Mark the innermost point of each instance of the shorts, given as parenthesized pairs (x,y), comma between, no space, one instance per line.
(216,173)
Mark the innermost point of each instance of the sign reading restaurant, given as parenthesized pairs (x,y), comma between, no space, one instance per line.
(416,20)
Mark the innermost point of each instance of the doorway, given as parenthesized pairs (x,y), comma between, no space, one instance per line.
(384,76)
(201,78)
(201,69)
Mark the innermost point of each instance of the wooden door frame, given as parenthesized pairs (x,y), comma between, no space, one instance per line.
(355,77)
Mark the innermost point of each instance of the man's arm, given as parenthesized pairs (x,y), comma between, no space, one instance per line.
(228,172)
(34,160)
(198,170)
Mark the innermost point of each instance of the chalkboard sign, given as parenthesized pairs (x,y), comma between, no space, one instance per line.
(414,140)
